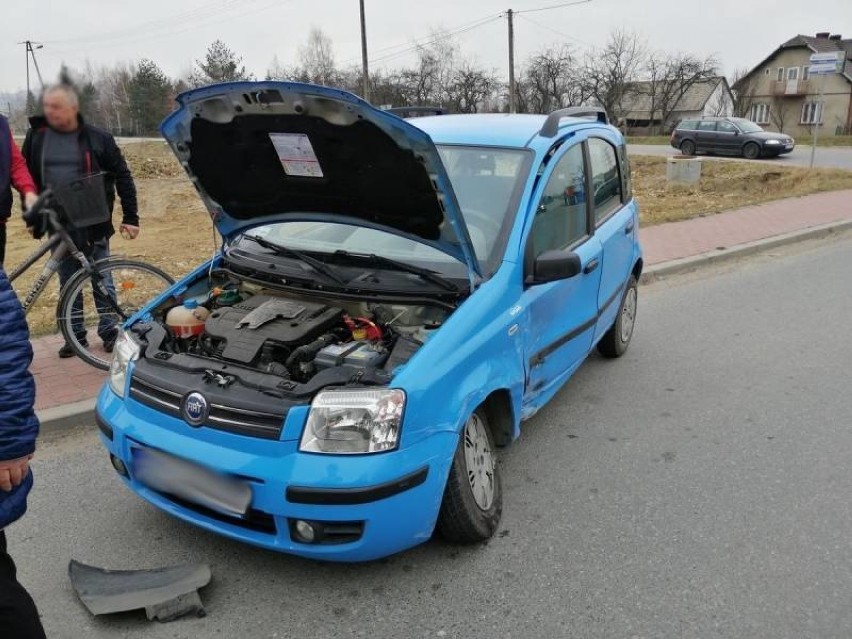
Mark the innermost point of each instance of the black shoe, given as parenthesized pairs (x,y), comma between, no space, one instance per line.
(109,343)
(66,351)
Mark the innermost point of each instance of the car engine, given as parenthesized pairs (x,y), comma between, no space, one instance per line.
(286,336)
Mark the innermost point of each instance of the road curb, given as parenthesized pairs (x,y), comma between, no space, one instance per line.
(662,270)
(63,418)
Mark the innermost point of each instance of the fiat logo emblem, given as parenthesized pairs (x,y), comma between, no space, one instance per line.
(195,409)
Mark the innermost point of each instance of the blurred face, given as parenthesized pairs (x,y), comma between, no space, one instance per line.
(59,111)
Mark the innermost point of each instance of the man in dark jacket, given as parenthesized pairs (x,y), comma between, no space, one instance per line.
(13,173)
(18,431)
(60,147)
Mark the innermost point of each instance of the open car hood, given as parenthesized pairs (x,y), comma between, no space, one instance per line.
(261,152)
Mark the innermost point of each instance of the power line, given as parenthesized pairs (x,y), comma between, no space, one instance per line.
(408,46)
(510,14)
(206,21)
(556,31)
(555,6)
(444,36)
(150,24)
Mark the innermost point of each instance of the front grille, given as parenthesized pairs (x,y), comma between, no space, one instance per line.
(240,421)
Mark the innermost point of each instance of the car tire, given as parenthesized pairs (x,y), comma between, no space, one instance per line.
(687,147)
(473,498)
(616,340)
(751,151)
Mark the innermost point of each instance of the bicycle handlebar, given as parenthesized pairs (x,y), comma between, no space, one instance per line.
(31,216)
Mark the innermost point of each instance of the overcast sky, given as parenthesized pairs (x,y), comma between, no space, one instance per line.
(175,32)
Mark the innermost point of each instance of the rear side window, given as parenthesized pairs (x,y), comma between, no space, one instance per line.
(688,125)
(707,126)
(606,180)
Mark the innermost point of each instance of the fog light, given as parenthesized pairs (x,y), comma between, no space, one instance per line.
(305,531)
(119,466)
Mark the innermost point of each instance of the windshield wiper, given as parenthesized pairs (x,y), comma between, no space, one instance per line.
(284,251)
(424,273)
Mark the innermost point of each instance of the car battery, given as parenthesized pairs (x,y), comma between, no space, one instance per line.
(355,354)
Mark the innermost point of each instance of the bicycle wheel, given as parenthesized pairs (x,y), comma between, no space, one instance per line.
(92,306)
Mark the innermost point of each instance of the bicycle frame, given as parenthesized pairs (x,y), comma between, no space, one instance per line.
(60,245)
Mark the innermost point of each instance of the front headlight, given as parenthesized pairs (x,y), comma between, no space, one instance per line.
(126,350)
(773,141)
(354,421)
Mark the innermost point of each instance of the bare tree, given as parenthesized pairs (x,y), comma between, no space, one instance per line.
(670,78)
(421,82)
(608,72)
(317,59)
(550,76)
(471,87)
(781,113)
(277,71)
(744,86)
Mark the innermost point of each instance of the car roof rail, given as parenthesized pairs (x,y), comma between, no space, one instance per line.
(551,125)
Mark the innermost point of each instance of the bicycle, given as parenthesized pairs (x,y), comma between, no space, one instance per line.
(118,286)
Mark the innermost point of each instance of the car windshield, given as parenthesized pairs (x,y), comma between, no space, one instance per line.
(747,126)
(487,182)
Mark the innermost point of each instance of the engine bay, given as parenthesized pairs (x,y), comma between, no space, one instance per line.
(285,339)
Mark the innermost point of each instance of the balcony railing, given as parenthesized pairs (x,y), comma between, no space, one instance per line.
(791,88)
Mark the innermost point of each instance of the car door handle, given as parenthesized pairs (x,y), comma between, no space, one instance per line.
(629,228)
(591,266)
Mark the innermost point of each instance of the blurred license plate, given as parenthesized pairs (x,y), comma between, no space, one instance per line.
(191,482)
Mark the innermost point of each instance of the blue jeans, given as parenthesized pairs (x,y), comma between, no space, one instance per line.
(107,317)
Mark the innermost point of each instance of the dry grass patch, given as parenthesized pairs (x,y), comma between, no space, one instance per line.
(724,186)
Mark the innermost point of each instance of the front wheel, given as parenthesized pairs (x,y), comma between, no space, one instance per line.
(103,300)
(751,151)
(616,340)
(473,498)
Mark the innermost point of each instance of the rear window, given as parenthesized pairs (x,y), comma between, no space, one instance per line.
(688,125)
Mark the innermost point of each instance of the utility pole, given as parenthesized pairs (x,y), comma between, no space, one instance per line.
(512,93)
(30,48)
(366,69)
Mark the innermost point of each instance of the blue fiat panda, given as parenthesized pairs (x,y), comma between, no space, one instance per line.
(392,300)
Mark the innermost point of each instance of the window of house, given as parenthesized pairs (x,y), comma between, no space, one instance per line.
(780,77)
(806,72)
(760,113)
(560,219)
(767,71)
(606,180)
(793,73)
(812,113)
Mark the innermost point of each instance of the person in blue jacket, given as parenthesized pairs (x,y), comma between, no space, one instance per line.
(18,431)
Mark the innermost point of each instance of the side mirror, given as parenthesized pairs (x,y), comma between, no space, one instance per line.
(552,266)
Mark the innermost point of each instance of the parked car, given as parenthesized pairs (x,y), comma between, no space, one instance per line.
(391,303)
(729,136)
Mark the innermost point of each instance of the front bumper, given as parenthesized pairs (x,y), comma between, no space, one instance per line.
(386,502)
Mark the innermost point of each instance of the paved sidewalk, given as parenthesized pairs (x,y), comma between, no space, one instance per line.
(61,382)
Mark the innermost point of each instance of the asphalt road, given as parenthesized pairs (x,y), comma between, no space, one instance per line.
(699,487)
(826,157)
